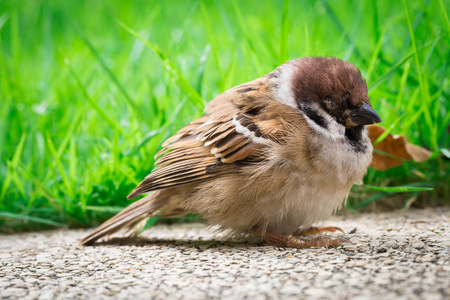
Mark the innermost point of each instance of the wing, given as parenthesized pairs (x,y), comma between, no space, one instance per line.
(239,128)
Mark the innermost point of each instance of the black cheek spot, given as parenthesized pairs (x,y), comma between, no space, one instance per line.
(313,115)
(354,136)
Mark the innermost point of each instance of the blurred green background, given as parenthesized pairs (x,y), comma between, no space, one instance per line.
(90,89)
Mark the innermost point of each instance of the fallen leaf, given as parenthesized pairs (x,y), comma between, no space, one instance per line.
(395,150)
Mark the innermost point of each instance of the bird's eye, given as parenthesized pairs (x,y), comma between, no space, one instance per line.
(330,105)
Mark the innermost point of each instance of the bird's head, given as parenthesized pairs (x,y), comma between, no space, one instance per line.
(334,86)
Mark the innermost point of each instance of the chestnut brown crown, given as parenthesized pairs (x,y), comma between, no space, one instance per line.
(337,86)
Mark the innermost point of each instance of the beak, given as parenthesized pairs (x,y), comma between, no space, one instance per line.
(365,115)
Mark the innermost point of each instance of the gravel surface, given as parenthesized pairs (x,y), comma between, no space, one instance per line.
(399,255)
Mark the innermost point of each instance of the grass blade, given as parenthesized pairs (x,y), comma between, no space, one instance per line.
(108,209)
(142,142)
(337,23)
(43,191)
(397,189)
(195,97)
(3,19)
(445,17)
(374,58)
(70,133)
(387,131)
(386,75)
(284,51)
(13,166)
(421,75)
(94,104)
(211,37)
(73,161)
(58,163)
(111,74)
(403,85)
(201,68)
(370,199)
(25,218)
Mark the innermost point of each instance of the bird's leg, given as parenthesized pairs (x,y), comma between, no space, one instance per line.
(317,230)
(290,241)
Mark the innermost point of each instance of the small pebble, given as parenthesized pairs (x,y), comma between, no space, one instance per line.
(418,245)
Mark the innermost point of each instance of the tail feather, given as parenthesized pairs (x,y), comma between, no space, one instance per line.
(131,216)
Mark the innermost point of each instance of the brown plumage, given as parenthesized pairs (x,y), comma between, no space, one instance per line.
(269,157)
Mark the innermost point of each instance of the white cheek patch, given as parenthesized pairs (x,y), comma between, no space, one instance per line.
(333,129)
(283,88)
(248,133)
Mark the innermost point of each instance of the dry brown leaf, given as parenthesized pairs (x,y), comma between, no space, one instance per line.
(397,147)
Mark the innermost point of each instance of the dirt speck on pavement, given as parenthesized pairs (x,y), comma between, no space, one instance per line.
(397,255)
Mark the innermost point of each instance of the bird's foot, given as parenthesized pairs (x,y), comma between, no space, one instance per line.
(291,241)
(317,230)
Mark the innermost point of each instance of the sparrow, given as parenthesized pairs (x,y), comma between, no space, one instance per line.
(270,157)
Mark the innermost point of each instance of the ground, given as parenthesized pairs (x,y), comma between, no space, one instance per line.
(396,255)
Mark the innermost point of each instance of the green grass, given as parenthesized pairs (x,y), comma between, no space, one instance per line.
(90,89)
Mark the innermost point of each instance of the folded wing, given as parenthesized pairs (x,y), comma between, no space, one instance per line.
(238,129)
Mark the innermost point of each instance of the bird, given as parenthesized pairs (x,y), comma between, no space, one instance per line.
(269,158)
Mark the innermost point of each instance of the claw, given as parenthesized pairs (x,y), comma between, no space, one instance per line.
(293,242)
(309,231)
(331,229)
(318,230)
